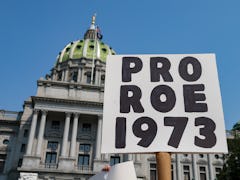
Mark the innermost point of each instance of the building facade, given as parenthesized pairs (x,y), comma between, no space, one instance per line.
(58,134)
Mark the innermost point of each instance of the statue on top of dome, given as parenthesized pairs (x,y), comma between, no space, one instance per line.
(94,19)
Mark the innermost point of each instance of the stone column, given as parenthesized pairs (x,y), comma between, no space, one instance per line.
(74,135)
(194,166)
(63,75)
(97,77)
(54,75)
(178,167)
(211,174)
(79,78)
(32,132)
(84,76)
(41,132)
(130,157)
(99,138)
(66,75)
(65,135)
(138,157)
(106,157)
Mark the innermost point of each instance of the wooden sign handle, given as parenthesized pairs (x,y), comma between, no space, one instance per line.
(163,165)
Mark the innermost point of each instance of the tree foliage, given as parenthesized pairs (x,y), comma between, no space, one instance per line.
(231,167)
(236,127)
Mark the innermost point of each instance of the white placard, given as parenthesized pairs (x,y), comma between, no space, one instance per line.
(120,171)
(168,103)
(100,176)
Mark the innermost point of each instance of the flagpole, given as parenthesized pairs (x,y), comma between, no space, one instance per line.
(94,48)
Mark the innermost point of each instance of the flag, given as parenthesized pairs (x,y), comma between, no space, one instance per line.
(99,34)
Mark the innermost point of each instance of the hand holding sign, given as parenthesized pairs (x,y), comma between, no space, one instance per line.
(162,103)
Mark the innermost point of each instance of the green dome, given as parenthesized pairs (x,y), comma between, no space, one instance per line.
(91,47)
(85,49)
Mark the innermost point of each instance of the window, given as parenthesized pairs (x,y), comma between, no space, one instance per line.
(55,125)
(86,127)
(79,46)
(172,171)
(59,77)
(25,134)
(114,160)
(153,172)
(186,172)
(52,145)
(201,155)
(75,76)
(91,47)
(68,49)
(23,148)
(85,148)
(51,155)
(104,50)
(20,162)
(5,141)
(2,163)
(83,160)
(84,157)
(217,171)
(88,78)
(2,157)
(102,79)
(51,158)
(203,175)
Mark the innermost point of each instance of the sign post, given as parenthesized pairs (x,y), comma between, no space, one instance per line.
(163,165)
(163,103)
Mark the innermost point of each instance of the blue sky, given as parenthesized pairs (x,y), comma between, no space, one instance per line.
(33,32)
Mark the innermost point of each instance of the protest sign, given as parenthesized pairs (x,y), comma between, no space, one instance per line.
(120,171)
(168,103)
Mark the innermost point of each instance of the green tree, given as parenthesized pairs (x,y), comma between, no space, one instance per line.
(236,127)
(231,167)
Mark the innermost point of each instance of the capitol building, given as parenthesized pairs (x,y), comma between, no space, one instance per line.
(57,135)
